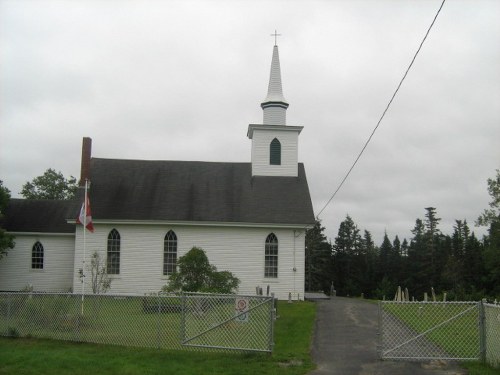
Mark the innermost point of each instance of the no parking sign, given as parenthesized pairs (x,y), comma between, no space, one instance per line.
(241,309)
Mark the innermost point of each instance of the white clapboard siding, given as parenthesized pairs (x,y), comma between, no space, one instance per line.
(57,272)
(261,141)
(236,249)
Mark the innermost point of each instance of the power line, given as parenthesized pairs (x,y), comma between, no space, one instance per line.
(383,114)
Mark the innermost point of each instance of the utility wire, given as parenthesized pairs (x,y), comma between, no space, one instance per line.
(383,114)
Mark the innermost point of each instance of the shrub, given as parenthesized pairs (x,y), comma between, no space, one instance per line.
(196,274)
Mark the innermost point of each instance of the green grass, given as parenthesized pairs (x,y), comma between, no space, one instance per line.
(293,332)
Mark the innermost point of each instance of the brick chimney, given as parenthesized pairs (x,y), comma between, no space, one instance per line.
(86,155)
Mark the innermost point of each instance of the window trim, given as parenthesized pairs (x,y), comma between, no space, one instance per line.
(113,251)
(271,257)
(169,253)
(275,152)
(37,256)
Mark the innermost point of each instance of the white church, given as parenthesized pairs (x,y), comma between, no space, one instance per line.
(250,218)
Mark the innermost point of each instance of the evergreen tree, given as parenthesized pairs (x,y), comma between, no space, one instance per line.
(348,252)
(370,258)
(432,234)
(387,280)
(404,248)
(318,260)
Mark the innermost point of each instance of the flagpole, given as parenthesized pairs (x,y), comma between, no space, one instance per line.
(84,241)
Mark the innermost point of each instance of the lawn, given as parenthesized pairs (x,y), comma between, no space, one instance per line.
(293,331)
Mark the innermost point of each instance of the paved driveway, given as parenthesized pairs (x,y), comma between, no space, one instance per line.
(345,343)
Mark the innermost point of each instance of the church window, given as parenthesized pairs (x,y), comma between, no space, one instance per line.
(271,256)
(275,152)
(37,256)
(170,253)
(113,263)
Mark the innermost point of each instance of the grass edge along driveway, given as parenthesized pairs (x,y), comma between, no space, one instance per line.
(291,355)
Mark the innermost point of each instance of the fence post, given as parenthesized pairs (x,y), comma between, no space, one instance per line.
(379,330)
(272,318)
(158,321)
(183,317)
(9,302)
(482,331)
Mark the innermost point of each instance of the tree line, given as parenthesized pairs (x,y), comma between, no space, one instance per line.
(460,264)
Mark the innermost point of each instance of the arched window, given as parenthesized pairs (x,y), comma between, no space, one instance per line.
(271,256)
(169,253)
(37,256)
(113,262)
(275,152)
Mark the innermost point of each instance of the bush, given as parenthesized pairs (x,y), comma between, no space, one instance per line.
(196,274)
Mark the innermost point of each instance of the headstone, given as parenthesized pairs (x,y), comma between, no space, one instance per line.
(425,297)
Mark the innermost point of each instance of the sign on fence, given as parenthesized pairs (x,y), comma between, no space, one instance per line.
(241,310)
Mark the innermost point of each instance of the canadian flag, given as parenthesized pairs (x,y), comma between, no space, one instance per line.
(85,217)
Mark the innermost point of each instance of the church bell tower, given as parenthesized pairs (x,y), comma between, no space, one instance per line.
(274,143)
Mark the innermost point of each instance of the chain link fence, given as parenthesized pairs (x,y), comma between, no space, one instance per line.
(439,330)
(492,333)
(161,321)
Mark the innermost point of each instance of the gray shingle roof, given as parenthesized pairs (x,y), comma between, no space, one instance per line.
(196,191)
(171,191)
(26,215)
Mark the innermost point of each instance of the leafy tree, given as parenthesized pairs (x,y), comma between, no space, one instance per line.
(6,239)
(492,215)
(50,185)
(196,274)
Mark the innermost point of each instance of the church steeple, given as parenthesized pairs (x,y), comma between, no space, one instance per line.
(274,143)
(275,104)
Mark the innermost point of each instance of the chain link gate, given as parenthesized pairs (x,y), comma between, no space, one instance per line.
(430,330)
(228,322)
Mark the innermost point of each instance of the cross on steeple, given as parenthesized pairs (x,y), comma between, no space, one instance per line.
(275,37)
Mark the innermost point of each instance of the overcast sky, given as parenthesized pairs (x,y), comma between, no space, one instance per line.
(181,80)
